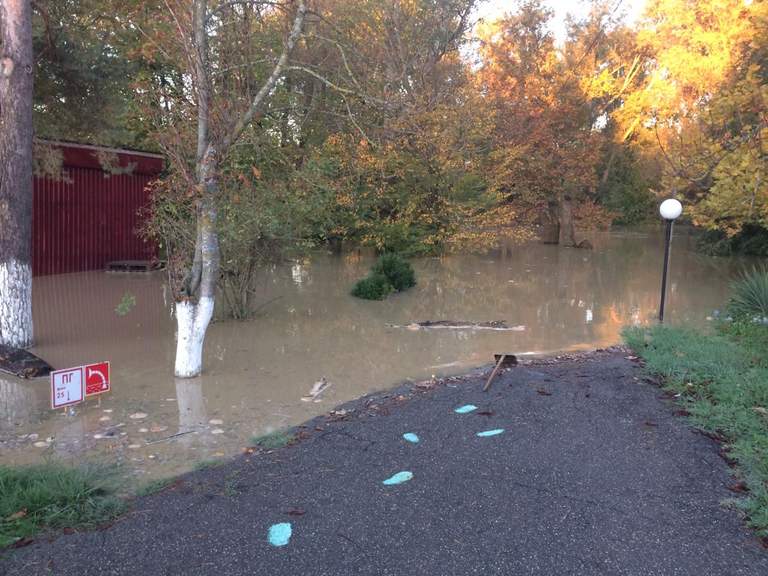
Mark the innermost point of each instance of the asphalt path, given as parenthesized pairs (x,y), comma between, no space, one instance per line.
(593,474)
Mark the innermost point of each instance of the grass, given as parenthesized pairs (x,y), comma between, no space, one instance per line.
(749,295)
(272,440)
(155,486)
(722,381)
(50,496)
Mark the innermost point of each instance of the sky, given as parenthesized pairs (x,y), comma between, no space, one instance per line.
(494,8)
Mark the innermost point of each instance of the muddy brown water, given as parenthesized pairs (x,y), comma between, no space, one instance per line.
(257,371)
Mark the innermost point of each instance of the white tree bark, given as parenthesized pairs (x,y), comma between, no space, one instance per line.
(195,307)
(192,321)
(15,304)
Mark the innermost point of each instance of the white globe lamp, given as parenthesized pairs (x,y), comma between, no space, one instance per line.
(671,209)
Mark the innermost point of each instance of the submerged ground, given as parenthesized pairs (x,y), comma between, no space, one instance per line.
(257,371)
(593,474)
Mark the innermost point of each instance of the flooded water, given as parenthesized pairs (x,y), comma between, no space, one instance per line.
(309,328)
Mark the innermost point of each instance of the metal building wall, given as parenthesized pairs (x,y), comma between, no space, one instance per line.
(88,217)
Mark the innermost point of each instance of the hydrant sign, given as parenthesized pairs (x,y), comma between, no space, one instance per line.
(73,385)
(66,387)
(96,378)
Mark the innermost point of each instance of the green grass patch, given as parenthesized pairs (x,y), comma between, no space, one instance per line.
(155,486)
(50,496)
(272,440)
(722,380)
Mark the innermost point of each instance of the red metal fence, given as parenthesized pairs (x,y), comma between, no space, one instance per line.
(88,215)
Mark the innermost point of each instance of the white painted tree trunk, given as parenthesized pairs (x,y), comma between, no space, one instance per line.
(192,322)
(15,304)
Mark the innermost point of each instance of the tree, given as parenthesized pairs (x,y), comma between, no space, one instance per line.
(701,104)
(16,82)
(84,73)
(209,71)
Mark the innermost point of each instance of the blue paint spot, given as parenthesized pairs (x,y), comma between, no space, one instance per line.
(398,478)
(466,409)
(487,433)
(411,437)
(279,534)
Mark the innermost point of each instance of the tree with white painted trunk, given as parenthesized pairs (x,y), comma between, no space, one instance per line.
(195,26)
(16,73)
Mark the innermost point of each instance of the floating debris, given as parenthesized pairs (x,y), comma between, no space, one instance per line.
(398,478)
(105,418)
(108,410)
(411,437)
(317,388)
(40,444)
(216,422)
(134,446)
(466,409)
(461,325)
(280,534)
(157,429)
(137,416)
(217,431)
(494,432)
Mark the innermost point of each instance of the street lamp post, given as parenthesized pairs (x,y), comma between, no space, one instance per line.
(670,210)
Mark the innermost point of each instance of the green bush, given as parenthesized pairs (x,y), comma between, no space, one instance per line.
(396,270)
(373,287)
(749,295)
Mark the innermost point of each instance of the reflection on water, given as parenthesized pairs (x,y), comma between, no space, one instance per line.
(257,371)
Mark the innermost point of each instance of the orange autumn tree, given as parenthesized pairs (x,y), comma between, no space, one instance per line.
(547,134)
(702,105)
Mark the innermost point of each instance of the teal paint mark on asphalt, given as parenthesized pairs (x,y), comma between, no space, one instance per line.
(279,534)
(411,437)
(398,478)
(487,433)
(466,409)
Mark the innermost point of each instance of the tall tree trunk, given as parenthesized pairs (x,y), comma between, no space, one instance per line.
(550,231)
(16,68)
(567,230)
(194,306)
(193,315)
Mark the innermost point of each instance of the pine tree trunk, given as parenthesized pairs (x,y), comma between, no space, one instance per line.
(16,73)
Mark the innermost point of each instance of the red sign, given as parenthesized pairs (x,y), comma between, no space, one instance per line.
(96,378)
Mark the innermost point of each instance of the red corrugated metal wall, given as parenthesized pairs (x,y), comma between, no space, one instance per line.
(89,217)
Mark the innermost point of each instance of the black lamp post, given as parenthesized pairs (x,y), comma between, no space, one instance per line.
(670,210)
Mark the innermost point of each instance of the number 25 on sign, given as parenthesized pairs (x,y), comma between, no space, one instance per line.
(66,387)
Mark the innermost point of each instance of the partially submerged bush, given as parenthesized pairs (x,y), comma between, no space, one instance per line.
(391,273)
(397,270)
(749,295)
(373,287)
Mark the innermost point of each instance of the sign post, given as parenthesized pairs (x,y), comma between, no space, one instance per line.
(73,385)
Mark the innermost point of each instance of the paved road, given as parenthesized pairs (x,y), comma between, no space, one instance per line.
(594,475)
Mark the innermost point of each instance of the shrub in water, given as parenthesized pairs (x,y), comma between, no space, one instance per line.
(397,270)
(749,295)
(373,287)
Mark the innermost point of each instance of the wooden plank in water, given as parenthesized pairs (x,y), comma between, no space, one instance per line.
(132,266)
(23,363)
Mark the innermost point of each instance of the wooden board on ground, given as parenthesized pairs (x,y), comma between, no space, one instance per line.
(23,363)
